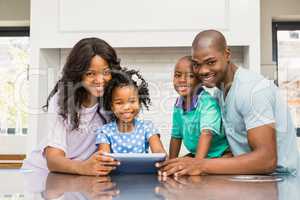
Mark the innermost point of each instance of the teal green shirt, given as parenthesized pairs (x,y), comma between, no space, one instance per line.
(204,114)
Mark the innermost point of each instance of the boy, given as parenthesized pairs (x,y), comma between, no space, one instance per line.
(196,116)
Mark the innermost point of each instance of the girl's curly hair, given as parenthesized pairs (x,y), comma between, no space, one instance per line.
(126,77)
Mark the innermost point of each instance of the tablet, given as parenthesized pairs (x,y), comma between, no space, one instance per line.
(137,163)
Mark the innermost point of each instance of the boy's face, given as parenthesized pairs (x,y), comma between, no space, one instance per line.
(184,80)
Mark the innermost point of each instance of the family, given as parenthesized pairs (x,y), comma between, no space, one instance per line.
(245,128)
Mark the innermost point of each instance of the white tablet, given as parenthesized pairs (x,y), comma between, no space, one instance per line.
(137,163)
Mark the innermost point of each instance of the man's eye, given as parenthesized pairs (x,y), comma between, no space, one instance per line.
(196,65)
(177,75)
(211,62)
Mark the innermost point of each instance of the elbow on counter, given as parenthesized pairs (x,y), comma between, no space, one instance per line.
(269,165)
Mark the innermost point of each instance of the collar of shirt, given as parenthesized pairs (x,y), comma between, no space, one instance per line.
(180,101)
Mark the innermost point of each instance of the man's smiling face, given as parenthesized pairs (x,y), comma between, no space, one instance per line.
(210,65)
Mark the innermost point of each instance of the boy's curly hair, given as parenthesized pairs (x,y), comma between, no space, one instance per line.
(126,77)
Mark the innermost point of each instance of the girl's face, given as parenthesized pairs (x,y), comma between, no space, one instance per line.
(184,80)
(125,103)
(97,76)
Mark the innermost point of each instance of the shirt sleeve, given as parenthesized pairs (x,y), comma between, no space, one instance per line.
(258,108)
(56,136)
(176,126)
(210,115)
(102,136)
(150,129)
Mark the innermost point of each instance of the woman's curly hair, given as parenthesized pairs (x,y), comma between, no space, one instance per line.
(126,77)
(71,93)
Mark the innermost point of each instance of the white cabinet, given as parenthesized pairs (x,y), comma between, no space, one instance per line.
(160,26)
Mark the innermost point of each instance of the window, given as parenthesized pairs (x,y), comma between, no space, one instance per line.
(286,53)
(14,66)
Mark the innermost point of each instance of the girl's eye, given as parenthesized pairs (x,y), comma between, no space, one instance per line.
(118,103)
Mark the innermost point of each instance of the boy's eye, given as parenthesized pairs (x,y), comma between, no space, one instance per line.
(191,76)
(177,75)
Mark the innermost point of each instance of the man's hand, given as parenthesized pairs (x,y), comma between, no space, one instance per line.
(180,167)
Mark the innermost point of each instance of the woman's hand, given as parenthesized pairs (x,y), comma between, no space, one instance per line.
(98,164)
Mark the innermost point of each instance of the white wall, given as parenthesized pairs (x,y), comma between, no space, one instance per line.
(279,10)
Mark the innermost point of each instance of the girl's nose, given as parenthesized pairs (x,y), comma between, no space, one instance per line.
(126,106)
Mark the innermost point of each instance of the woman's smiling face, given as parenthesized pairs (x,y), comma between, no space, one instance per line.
(97,76)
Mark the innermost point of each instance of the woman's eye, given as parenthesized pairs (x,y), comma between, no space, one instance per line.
(106,73)
(88,74)
(177,76)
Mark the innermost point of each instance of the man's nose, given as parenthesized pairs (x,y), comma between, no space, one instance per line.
(202,70)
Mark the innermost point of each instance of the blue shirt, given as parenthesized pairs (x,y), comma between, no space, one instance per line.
(136,141)
(254,101)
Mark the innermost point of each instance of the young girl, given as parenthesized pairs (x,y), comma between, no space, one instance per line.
(124,96)
(74,112)
(196,116)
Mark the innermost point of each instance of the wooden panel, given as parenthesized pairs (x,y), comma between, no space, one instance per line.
(10,165)
(12,157)
(142,15)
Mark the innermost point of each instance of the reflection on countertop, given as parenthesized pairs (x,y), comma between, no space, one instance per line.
(16,184)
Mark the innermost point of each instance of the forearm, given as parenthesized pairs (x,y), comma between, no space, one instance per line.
(156,145)
(250,163)
(175,145)
(104,148)
(64,165)
(203,144)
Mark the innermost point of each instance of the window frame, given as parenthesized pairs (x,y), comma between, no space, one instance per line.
(15,31)
(282,26)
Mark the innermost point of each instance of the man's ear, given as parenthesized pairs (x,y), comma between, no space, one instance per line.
(227,53)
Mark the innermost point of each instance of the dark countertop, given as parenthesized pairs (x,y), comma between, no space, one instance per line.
(17,184)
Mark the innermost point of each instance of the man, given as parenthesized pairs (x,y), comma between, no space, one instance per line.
(256,119)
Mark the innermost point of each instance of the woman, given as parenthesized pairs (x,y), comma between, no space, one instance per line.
(74,112)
